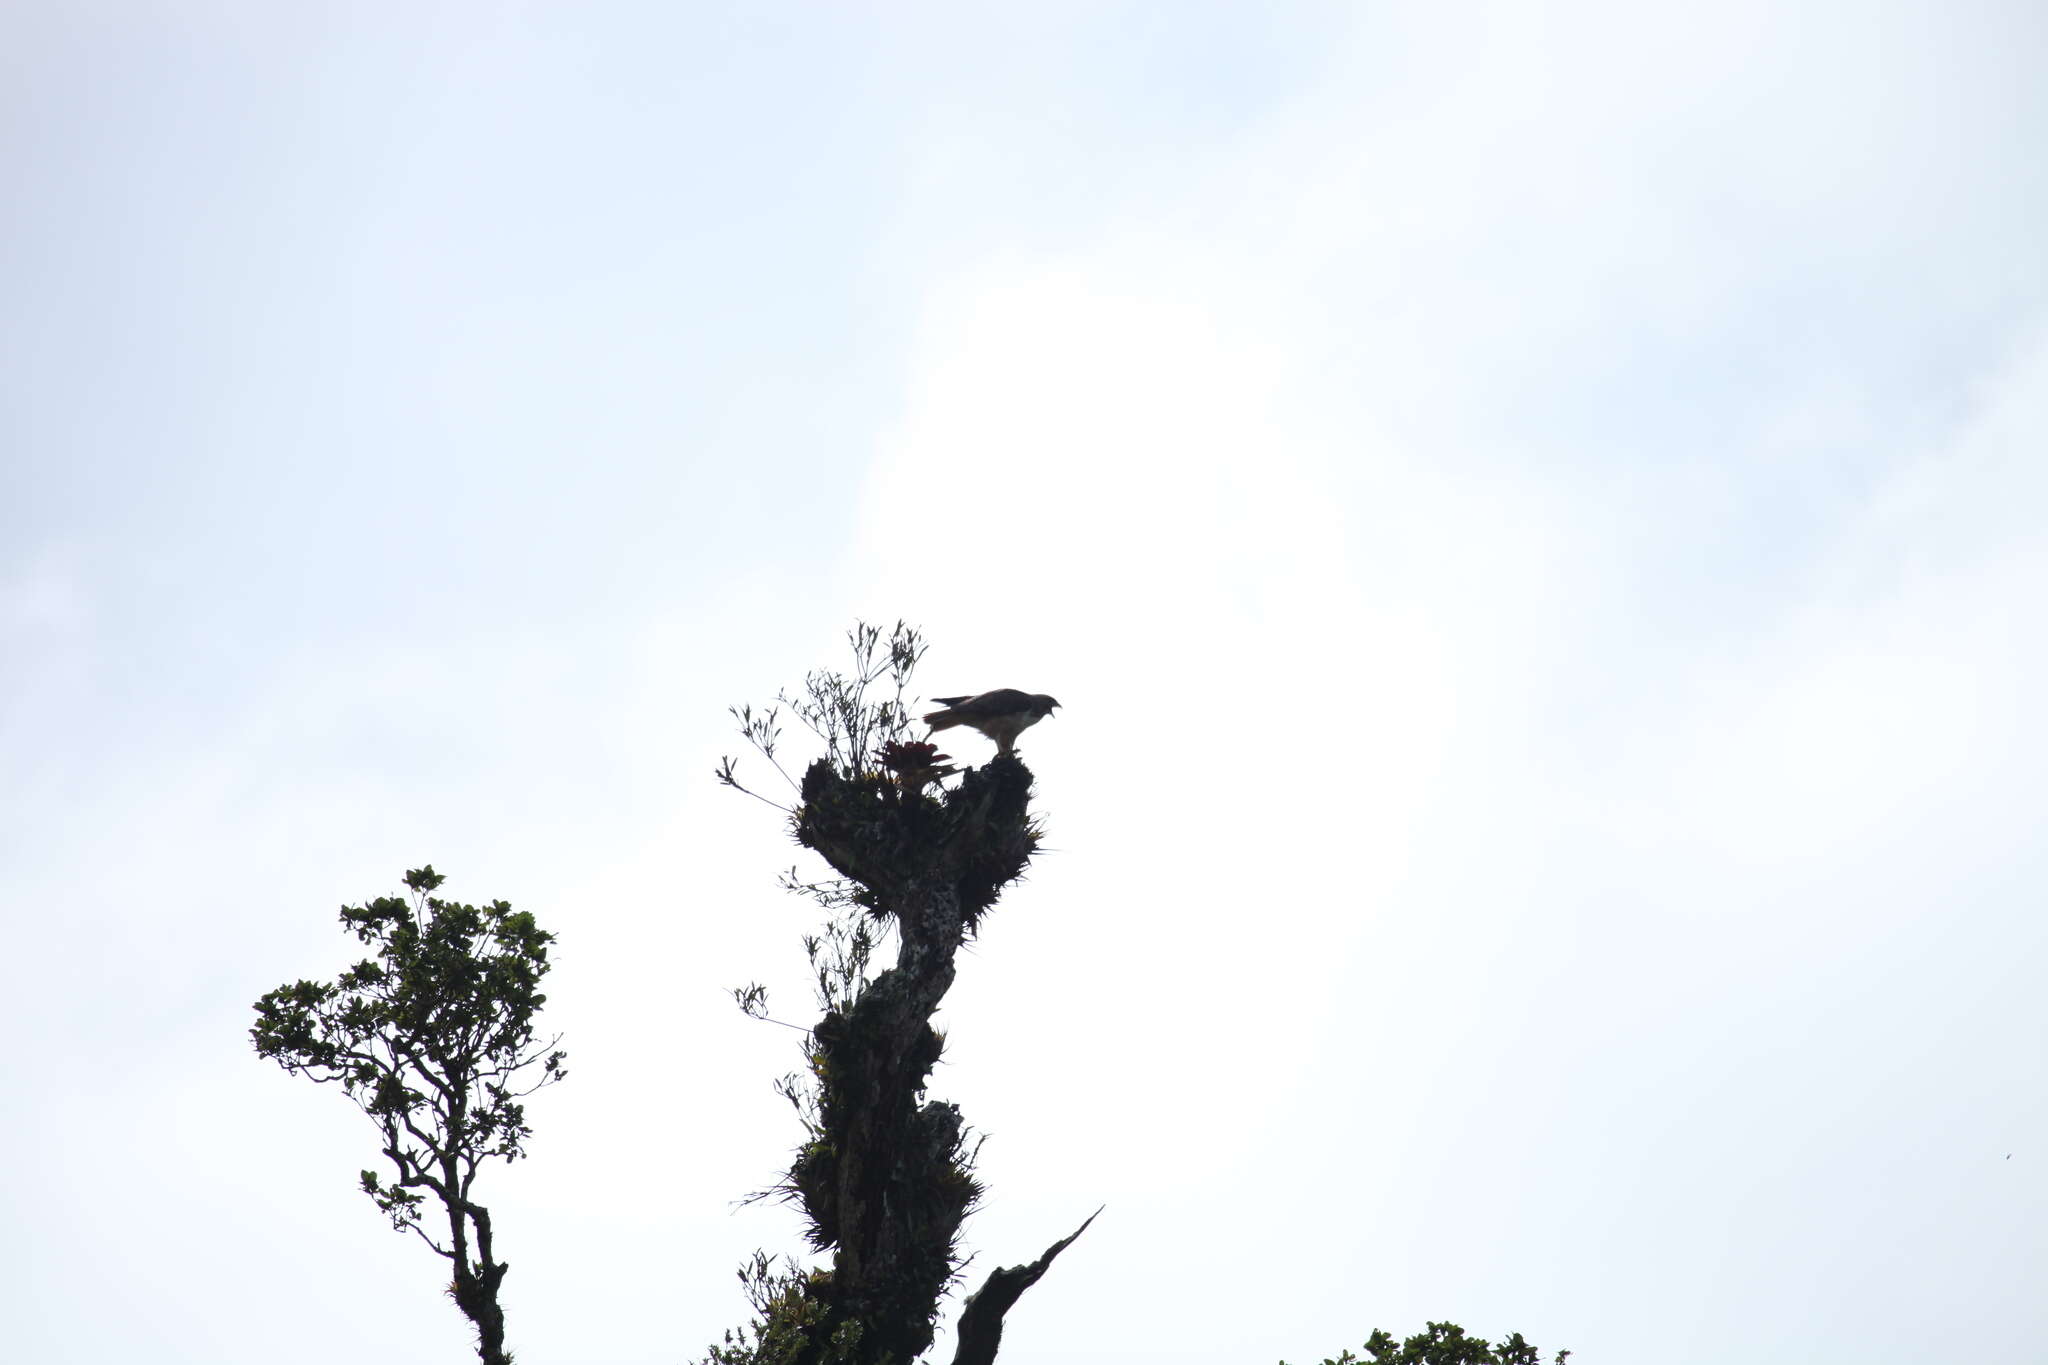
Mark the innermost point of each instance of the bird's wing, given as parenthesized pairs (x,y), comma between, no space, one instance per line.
(950,701)
(1001,702)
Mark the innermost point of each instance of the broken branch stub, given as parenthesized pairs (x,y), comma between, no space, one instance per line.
(981,1317)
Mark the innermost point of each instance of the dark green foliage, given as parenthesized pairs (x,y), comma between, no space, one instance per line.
(1445,1343)
(790,1308)
(433,1039)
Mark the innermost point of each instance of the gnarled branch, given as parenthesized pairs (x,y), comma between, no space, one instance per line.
(981,1317)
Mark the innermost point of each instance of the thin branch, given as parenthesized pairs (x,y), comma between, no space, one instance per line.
(749,791)
(422,1232)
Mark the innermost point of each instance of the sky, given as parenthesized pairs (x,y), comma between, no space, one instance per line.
(1535,515)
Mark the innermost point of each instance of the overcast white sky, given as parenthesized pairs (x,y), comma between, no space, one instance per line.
(1536,514)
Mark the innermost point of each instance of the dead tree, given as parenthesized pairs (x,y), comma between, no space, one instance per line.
(886,1178)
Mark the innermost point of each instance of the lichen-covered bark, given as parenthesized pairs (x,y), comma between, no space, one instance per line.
(886,1181)
(476,1294)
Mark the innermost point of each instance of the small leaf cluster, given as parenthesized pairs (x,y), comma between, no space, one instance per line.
(1444,1343)
(789,1308)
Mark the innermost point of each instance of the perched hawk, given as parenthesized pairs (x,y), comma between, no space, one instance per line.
(1002,715)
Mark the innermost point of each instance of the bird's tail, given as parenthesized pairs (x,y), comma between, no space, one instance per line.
(941,720)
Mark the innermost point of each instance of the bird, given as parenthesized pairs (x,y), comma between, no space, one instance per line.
(1002,715)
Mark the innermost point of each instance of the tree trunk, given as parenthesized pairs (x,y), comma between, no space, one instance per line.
(476,1294)
(887,1181)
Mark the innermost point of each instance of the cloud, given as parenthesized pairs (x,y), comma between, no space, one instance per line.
(1532,562)
(43,599)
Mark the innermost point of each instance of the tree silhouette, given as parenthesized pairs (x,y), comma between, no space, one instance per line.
(433,1039)
(884,1176)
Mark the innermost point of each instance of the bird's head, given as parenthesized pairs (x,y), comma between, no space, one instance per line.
(1044,705)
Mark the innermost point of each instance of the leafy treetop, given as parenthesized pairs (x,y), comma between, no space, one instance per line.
(1445,1343)
(433,1038)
